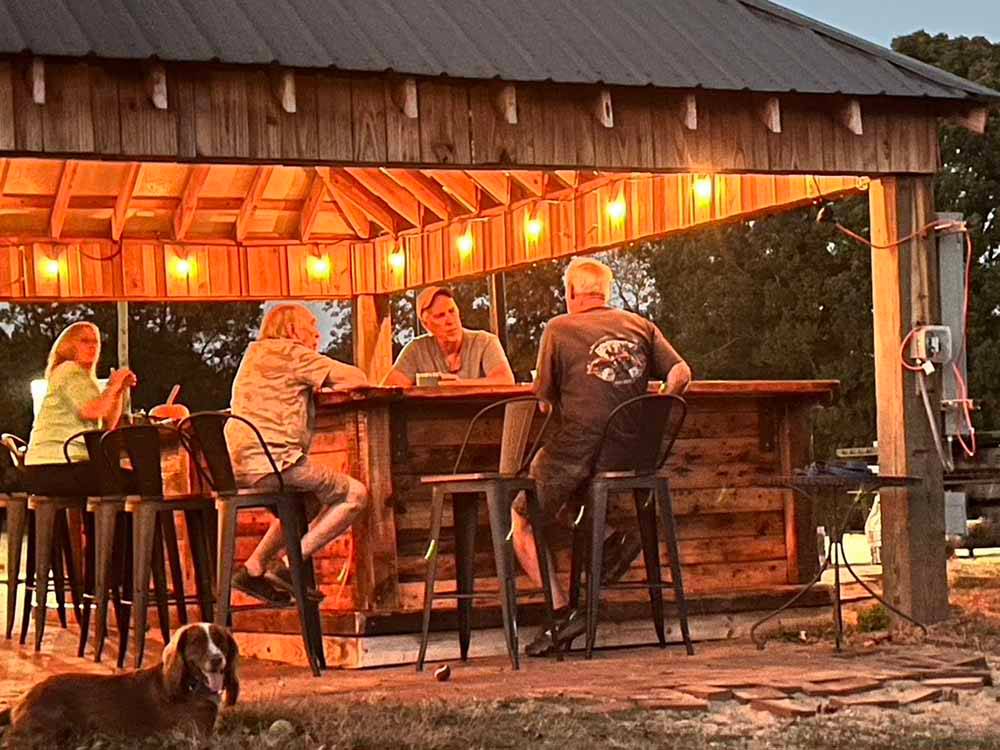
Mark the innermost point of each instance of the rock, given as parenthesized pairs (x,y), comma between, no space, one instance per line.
(280,731)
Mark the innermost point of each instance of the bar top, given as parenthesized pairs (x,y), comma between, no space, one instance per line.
(821,391)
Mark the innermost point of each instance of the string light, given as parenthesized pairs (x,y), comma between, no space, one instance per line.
(703,188)
(532,228)
(397,260)
(50,268)
(182,267)
(318,266)
(617,209)
(465,243)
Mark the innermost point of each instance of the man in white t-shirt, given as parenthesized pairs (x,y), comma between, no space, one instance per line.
(460,356)
(273,389)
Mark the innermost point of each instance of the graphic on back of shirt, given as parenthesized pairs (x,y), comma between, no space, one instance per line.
(616,360)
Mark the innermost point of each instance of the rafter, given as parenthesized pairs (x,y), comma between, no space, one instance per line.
(4,168)
(426,190)
(57,216)
(458,185)
(311,207)
(398,199)
(184,214)
(533,182)
(497,184)
(257,188)
(567,177)
(119,214)
(356,193)
(357,218)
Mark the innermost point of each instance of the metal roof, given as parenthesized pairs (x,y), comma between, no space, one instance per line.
(730,45)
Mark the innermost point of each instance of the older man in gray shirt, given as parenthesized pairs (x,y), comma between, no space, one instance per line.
(457,355)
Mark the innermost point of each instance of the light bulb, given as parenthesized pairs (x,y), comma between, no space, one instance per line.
(533,229)
(50,268)
(465,244)
(318,266)
(182,267)
(703,188)
(397,259)
(617,209)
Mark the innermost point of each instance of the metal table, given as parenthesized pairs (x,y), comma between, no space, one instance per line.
(828,491)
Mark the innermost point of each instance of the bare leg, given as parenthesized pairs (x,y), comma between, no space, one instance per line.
(527,556)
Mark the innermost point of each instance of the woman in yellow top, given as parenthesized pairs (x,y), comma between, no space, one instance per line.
(74,402)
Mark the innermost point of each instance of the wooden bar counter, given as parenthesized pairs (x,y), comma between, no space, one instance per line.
(738,539)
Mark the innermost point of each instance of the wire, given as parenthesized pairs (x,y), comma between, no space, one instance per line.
(113,255)
(946,462)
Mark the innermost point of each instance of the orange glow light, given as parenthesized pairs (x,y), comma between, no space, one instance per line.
(465,244)
(397,260)
(703,188)
(533,229)
(318,267)
(50,268)
(182,267)
(617,210)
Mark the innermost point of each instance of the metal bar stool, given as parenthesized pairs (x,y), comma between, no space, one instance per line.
(500,488)
(204,433)
(152,514)
(15,507)
(638,436)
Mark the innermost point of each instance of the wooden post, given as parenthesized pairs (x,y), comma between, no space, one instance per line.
(121,309)
(372,335)
(498,307)
(905,294)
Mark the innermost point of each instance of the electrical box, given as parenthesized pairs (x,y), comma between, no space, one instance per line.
(932,344)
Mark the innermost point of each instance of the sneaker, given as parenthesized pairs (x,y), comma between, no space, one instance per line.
(259,588)
(279,575)
(570,626)
(620,551)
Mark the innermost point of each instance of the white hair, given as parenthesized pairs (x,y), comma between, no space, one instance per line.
(588,276)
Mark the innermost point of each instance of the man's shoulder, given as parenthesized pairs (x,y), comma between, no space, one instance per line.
(480,337)
(419,343)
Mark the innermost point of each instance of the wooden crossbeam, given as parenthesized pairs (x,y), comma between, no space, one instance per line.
(184,214)
(497,184)
(57,216)
(257,188)
(459,186)
(398,199)
(361,197)
(533,182)
(567,177)
(426,190)
(119,214)
(355,215)
(311,207)
(4,168)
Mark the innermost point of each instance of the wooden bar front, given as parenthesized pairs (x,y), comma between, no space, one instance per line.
(737,537)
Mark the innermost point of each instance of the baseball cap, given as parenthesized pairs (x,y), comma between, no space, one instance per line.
(427,296)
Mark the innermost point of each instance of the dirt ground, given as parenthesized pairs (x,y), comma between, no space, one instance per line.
(602,703)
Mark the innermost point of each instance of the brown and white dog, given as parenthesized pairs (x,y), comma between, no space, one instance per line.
(182,692)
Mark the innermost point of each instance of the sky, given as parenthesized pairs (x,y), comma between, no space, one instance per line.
(880,21)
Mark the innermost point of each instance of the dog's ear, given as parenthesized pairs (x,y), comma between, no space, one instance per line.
(174,663)
(231,679)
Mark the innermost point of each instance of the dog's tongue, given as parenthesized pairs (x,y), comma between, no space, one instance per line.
(214,680)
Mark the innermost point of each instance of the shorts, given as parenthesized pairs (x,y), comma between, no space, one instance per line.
(325,486)
(562,489)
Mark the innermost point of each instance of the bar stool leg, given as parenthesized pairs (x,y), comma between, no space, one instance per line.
(60,543)
(437,510)
(670,527)
(169,528)
(144,536)
(127,586)
(158,568)
(17,516)
(45,522)
(194,520)
(466,515)
(293,548)
(645,511)
(105,515)
(29,580)
(598,520)
(546,566)
(226,511)
(502,554)
(87,600)
(577,557)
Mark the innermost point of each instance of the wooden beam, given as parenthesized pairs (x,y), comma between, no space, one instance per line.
(568,177)
(533,182)
(498,307)
(974,119)
(156,85)
(61,203)
(506,103)
(184,214)
(497,184)
(458,185)
(285,91)
(311,207)
(849,116)
(372,326)
(603,110)
(354,192)
(357,218)
(905,293)
(399,200)
(119,214)
(4,169)
(770,114)
(404,96)
(36,76)
(257,187)
(687,111)
(426,190)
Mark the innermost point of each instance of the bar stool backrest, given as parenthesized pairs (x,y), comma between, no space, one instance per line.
(141,443)
(108,480)
(11,463)
(640,433)
(204,433)
(519,415)
(15,447)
